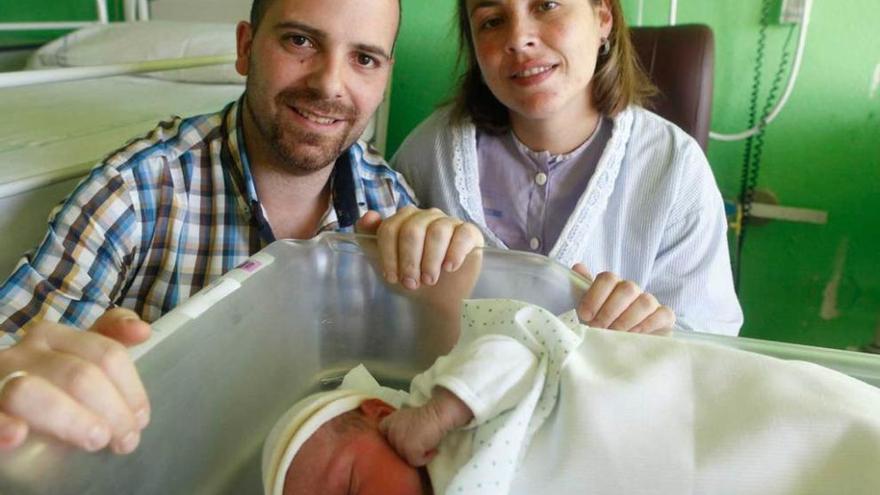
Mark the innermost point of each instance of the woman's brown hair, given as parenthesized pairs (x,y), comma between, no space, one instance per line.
(618,82)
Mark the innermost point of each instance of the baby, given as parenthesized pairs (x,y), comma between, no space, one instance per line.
(529,403)
(364,438)
(349,454)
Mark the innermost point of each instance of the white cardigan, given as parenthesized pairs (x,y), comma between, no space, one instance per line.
(651,213)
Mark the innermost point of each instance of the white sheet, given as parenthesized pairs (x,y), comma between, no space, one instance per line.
(58,131)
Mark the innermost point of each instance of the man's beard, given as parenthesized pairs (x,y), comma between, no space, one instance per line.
(301,151)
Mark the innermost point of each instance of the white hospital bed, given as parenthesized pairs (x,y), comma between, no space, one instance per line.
(55,133)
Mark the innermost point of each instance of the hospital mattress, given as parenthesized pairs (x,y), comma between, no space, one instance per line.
(222,367)
(52,134)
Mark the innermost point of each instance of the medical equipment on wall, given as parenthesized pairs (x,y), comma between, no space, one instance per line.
(758,123)
(760,116)
(804,9)
(754,148)
(768,117)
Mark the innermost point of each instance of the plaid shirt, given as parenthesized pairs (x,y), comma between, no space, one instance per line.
(163,217)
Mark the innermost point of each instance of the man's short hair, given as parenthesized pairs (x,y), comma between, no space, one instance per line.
(258,10)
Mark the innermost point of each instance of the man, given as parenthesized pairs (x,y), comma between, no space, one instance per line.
(164,216)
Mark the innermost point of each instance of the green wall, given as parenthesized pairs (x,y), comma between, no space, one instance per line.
(424,71)
(823,153)
(47,11)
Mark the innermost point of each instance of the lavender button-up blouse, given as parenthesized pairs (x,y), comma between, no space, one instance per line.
(529,195)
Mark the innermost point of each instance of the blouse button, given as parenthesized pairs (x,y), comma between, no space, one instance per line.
(541,178)
(534,243)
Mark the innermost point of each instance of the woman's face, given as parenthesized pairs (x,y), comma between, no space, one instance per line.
(538,57)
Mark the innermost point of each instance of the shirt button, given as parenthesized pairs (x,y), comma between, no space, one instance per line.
(541,179)
(534,243)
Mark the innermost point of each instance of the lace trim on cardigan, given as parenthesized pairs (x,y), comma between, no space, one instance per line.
(570,246)
(467,177)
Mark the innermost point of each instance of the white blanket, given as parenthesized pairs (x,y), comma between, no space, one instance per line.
(560,408)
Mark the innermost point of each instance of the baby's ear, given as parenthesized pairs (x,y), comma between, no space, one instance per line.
(376,409)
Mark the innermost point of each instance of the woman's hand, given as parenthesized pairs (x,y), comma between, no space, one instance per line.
(416,245)
(621,305)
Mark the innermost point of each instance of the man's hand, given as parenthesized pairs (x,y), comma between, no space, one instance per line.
(621,305)
(80,387)
(415,245)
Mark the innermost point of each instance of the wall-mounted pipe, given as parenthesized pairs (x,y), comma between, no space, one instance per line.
(143,10)
(42,26)
(103,16)
(136,10)
(34,77)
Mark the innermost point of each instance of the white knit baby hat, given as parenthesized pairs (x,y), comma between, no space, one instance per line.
(302,420)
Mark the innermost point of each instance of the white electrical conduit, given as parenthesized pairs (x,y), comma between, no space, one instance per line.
(673,12)
(640,19)
(136,10)
(33,77)
(103,17)
(39,26)
(792,79)
(143,10)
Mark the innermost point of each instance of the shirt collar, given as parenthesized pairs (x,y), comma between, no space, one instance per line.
(344,208)
(238,150)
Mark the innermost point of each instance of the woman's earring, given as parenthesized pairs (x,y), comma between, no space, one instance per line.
(605,48)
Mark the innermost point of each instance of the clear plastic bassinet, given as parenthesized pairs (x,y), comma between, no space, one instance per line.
(222,367)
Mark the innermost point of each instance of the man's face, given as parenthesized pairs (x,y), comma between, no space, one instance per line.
(316,72)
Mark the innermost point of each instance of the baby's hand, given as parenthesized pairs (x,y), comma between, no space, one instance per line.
(416,432)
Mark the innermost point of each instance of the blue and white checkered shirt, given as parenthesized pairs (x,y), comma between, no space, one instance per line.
(164,216)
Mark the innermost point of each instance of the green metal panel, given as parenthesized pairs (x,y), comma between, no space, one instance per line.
(48,11)
(823,152)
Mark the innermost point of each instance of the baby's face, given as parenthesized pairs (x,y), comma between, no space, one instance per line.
(350,456)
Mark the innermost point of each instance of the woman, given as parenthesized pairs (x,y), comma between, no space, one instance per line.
(548,150)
